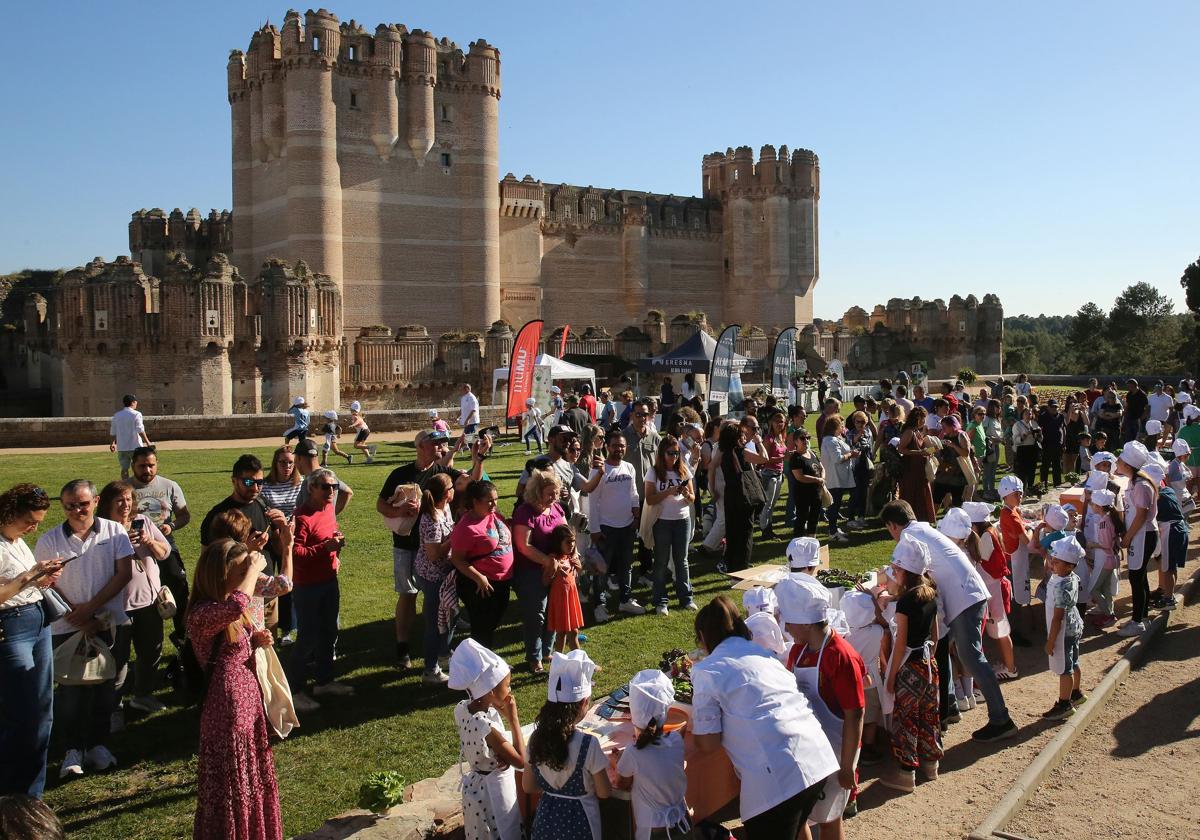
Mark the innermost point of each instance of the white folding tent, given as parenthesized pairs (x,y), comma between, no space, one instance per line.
(559,370)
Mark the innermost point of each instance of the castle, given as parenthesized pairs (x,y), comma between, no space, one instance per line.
(369,163)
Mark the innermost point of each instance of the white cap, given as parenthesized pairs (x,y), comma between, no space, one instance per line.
(1104,497)
(1154,472)
(1191,412)
(554,389)
(1067,549)
(1011,484)
(1181,447)
(531,402)
(475,669)
(767,633)
(1153,427)
(433,412)
(330,414)
(651,694)
(298,401)
(1056,517)
(911,555)
(356,406)
(1096,480)
(859,609)
(1134,454)
(1183,398)
(1103,458)
(802,601)
(803,553)
(978,511)
(760,599)
(570,677)
(956,524)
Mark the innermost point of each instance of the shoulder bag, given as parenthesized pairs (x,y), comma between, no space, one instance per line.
(752,488)
(276,693)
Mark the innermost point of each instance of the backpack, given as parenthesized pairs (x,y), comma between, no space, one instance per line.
(191,680)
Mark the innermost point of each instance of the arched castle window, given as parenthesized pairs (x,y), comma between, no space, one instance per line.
(316,43)
(353,52)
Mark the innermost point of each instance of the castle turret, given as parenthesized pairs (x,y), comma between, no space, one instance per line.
(384,104)
(242,155)
(420,78)
(479,166)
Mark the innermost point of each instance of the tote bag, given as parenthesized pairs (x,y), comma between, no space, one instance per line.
(83,660)
(650,515)
(276,693)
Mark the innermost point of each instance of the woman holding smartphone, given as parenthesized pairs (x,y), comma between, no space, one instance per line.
(26,656)
(149,547)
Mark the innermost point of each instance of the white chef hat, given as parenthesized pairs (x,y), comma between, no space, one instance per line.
(531,402)
(1101,458)
(1191,412)
(1134,454)
(554,389)
(1096,480)
(298,401)
(802,601)
(330,414)
(433,412)
(475,669)
(803,553)
(955,524)
(1011,484)
(1183,398)
(760,599)
(978,511)
(859,609)
(570,677)
(1056,517)
(1181,447)
(1153,427)
(1104,497)
(767,632)
(1154,472)
(651,694)
(933,423)
(1067,549)
(911,555)
(1156,457)
(356,406)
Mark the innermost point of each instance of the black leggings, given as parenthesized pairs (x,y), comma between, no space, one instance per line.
(1138,582)
(955,490)
(808,510)
(787,818)
(485,613)
(1026,464)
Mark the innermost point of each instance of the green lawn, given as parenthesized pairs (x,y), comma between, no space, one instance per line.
(394,723)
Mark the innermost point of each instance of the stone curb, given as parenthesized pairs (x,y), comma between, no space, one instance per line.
(1053,753)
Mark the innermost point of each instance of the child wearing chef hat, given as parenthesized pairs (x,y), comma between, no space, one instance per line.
(1016,536)
(1064,626)
(831,674)
(1153,432)
(1178,474)
(484,720)
(871,637)
(804,556)
(437,423)
(912,676)
(1141,534)
(1172,535)
(956,526)
(331,430)
(768,635)
(566,766)
(655,762)
(358,423)
(760,599)
(987,547)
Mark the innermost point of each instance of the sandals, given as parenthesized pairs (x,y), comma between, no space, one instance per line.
(1005,675)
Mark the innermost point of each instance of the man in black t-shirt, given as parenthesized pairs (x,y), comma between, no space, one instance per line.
(247,482)
(433,457)
(1137,409)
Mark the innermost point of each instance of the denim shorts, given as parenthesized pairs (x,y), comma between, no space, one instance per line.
(402,571)
(1070,655)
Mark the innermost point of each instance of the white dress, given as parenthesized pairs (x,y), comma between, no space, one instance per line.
(489,794)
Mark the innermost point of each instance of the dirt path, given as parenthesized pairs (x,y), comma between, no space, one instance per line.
(224,443)
(1132,772)
(974,777)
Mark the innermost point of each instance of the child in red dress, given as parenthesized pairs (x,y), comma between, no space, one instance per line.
(564,615)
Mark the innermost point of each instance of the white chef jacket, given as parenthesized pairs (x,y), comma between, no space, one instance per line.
(768,728)
(957,580)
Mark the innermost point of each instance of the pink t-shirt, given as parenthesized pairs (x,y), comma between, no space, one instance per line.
(441,426)
(776,449)
(486,543)
(540,526)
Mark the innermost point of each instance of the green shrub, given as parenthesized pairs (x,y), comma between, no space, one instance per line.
(381,791)
(967,376)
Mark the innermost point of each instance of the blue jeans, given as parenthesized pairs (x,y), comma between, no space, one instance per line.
(618,551)
(834,510)
(26,700)
(967,633)
(536,434)
(435,644)
(771,484)
(316,633)
(84,712)
(671,546)
(531,598)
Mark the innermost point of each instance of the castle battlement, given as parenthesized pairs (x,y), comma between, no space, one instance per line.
(734,172)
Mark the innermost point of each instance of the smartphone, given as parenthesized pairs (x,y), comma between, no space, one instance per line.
(137,524)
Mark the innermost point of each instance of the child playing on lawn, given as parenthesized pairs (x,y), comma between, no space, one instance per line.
(300,420)
(564,613)
(654,764)
(362,431)
(1064,626)
(331,430)
(1103,529)
(566,766)
(486,720)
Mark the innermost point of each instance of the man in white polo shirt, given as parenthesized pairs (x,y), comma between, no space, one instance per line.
(128,431)
(98,563)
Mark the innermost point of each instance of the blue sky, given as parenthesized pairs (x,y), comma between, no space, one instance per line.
(1042,151)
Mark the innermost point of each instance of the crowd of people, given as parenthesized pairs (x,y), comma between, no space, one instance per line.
(621,495)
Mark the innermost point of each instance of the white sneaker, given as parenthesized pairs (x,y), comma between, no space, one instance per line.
(1132,628)
(435,677)
(662,610)
(631,607)
(303,703)
(965,704)
(148,705)
(600,615)
(99,758)
(72,765)
(333,689)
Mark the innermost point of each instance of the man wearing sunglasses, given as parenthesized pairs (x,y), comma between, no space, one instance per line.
(265,521)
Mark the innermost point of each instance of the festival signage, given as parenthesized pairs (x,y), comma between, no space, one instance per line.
(520,367)
(722,365)
(784,362)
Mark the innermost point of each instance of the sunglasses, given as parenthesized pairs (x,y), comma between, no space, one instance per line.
(641,414)
(78,505)
(673,453)
(325,486)
(252,482)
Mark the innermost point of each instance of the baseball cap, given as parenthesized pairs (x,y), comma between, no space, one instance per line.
(306,448)
(562,430)
(431,435)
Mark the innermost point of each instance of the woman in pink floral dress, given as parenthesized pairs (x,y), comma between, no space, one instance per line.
(237,793)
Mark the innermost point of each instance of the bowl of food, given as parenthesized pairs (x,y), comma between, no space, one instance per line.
(676,719)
